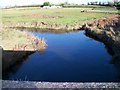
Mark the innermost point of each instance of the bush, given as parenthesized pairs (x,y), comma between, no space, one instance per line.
(46,4)
(62,4)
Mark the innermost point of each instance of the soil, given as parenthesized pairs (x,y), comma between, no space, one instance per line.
(40,16)
(106,30)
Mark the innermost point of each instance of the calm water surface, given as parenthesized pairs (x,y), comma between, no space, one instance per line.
(68,57)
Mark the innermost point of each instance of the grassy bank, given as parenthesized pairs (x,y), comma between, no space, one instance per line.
(52,18)
(16,40)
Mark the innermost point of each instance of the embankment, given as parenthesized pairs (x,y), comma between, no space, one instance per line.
(45,26)
(17,45)
(106,30)
(20,41)
(41,26)
(11,58)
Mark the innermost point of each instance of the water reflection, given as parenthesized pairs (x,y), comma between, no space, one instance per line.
(71,57)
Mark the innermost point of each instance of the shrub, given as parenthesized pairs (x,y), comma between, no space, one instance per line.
(46,4)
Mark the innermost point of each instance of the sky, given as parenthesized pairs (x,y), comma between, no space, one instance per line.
(30,2)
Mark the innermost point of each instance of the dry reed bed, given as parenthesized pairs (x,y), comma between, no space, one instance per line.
(21,41)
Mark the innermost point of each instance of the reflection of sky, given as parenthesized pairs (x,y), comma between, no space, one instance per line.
(68,57)
(27,2)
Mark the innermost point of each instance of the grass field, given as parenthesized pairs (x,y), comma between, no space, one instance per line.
(64,16)
(10,37)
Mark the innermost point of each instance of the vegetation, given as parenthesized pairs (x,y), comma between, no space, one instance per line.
(17,40)
(64,16)
(12,37)
(117,3)
(62,4)
(46,4)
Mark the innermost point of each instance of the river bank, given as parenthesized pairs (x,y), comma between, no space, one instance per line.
(17,45)
(46,26)
(16,40)
(106,30)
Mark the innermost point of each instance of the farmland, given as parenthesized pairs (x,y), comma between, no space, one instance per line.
(64,18)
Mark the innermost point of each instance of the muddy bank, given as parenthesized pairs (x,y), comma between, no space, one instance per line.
(41,25)
(45,26)
(106,30)
(43,30)
(11,58)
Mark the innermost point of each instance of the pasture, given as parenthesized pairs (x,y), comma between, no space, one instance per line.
(63,16)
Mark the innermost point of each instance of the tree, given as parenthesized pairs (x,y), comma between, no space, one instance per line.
(117,3)
(62,4)
(100,3)
(46,4)
(88,3)
(92,3)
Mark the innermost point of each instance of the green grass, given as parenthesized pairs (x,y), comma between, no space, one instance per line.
(65,16)
(107,9)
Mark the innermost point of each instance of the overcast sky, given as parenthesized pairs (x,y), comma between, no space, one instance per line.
(29,2)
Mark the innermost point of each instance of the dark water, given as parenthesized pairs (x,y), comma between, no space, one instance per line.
(69,57)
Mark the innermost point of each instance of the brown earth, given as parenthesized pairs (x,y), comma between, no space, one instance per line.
(106,30)
(39,16)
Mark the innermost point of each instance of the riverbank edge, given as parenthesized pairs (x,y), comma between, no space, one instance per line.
(60,85)
(30,42)
(14,58)
(19,51)
(106,30)
(43,26)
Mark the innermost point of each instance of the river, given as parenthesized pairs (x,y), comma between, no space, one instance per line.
(69,57)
